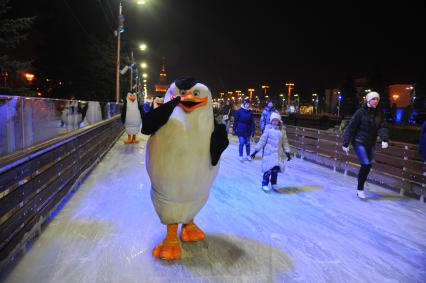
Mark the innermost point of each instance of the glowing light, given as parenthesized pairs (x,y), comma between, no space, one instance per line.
(30,77)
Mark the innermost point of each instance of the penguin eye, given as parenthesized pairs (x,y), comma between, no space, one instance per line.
(182,92)
(196,92)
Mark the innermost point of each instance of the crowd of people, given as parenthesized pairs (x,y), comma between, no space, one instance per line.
(362,131)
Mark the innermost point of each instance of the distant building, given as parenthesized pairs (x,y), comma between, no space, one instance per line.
(162,85)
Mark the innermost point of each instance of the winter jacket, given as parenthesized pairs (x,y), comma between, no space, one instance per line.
(364,126)
(264,118)
(244,125)
(274,142)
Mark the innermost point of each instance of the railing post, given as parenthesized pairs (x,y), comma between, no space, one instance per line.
(318,144)
(404,170)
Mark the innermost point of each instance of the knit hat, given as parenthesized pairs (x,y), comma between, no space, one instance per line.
(274,115)
(372,95)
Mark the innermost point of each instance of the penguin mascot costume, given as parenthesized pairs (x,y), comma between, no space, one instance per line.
(131,117)
(182,158)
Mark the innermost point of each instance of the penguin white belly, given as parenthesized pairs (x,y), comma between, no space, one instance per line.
(179,165)
(133,121)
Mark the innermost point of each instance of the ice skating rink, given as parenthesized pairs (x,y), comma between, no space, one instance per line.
(314,230)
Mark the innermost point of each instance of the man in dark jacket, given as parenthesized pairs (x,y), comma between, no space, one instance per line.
(362,131)
(244,127)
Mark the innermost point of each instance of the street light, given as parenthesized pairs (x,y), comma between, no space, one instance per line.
(315,100)
(290,87)
(251,90)
(339,99)
(298,102)
(120,29)
(143,47)
(265,88)
(282,102)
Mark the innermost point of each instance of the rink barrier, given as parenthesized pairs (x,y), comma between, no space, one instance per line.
(35,181)
(399,167)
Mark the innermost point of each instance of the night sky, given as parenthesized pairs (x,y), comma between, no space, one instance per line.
(234,45)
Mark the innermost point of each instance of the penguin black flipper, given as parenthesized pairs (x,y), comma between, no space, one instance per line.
(156,118)
(218,142)
(123,112)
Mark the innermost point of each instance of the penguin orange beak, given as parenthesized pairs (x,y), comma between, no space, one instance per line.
(132,98)
(190,102)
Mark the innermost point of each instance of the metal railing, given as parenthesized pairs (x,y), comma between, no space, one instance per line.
(28,121)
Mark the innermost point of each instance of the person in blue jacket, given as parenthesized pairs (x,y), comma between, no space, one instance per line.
(244,127)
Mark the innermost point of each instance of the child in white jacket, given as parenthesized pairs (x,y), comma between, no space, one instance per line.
(274,143)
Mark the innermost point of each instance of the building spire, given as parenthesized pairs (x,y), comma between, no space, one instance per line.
(161,87)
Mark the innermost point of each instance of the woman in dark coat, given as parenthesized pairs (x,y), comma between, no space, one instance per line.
(244,127)
(362,131)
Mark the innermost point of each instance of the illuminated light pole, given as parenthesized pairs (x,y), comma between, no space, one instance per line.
(238,92)
(298,101)
(29,77)
(251,90)
(120,29)
(282,102)
(265,89)
(290,87)
(117,66)
(315,101)
(339,100)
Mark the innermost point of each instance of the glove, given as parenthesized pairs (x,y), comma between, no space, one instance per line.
(385,144)
(288,156)
(345,149)
(253,154)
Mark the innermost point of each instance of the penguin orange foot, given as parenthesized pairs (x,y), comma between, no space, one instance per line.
(129,139)
(168,250)
(191,233)
(134,140)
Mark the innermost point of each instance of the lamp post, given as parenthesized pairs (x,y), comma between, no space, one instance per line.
(117,65)
(298,103)
(120,29)
(315,101)
(290,87)
(251,90)
(282,102)
(265,88)
(339,99)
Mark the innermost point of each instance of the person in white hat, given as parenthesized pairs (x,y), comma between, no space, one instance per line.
(274,143)
(362,131)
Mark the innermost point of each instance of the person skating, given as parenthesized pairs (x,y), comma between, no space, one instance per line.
(362,131)
(274,144)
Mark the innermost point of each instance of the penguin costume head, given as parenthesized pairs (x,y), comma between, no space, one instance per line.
(193,94)
(182,154)
(131,97)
